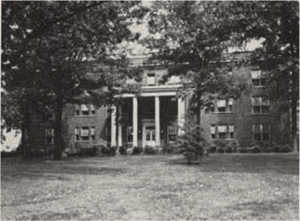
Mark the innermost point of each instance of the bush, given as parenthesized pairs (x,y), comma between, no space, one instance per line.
(277,149)
(137,150)
(8,154)
(149,150)
(243,150)
(255,149)
(123,150)
(212,149)
(228,149)
(167,149)
(221,150)
(89,151)
(109,151)
(221,143)
(286,148)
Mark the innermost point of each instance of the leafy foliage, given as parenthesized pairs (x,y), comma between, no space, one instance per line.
(277,25)
(53,48)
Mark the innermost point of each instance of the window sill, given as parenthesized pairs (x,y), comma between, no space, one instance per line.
(85,115)
(260,113)
(227,112)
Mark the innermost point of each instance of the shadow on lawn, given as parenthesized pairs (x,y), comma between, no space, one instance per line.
(57,170)
(287,164)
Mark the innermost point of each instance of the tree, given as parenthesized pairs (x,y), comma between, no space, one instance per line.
(47,47)
(193,37)
(277,24)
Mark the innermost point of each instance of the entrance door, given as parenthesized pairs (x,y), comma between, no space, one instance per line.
(150,136)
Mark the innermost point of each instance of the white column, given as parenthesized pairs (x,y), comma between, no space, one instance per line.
(135,121)
(181,115)
(120,143)
(113,127)
(157,122)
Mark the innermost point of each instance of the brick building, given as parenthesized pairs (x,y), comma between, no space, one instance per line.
(156,116)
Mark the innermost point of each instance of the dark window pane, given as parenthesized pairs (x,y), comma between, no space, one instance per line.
(85,113)
(222,135)
(221,109)
(48,140)
(257,137)
(85,138)
(256,109)
(266,136)
(255,82)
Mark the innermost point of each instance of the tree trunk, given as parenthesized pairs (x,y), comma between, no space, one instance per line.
(58,137)
(294,105)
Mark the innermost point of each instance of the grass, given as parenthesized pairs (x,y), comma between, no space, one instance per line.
(164,187)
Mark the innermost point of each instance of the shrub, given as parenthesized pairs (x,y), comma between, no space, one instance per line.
(109,151)
(123,150)
(212,148)
(89,151)
(149,150)
(243,150)
(286,148)
(277,149)
(221,143)
(235,145)
(167,149)
(137,150)
(228,149)
(255,149)
(221,150)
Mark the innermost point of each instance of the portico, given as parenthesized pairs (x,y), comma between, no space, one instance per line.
(149,118)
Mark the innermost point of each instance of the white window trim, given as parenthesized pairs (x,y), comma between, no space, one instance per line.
(260,105)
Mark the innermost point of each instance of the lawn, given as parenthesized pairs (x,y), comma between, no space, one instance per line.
(163,187)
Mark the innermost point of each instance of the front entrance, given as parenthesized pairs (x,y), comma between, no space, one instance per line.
(148,133)
(150,136)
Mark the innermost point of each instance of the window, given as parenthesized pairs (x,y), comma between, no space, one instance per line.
(213,131)
(231,131)
(93,132)
(85,133)
(261,132)
(221,104)
(222,131)
(130,134)
(49,135)
(258,78)
(151,79)
(225,106)
(172,132)
(84,110)
(260,105)
(76,134)
(93,111)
